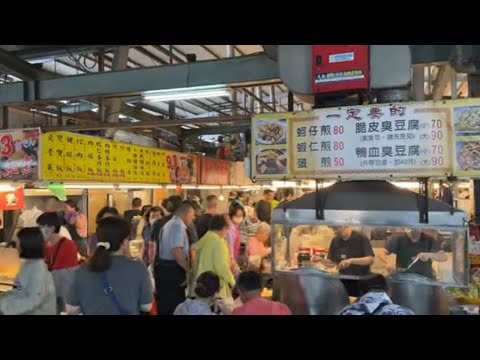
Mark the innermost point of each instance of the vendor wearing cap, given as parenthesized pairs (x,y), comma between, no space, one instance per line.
(351,251)
(409,246)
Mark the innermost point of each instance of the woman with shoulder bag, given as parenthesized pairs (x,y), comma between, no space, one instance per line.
(61,256)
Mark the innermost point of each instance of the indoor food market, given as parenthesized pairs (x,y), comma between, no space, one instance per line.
(239,180)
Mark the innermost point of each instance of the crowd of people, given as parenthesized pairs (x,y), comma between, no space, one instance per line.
(194,260)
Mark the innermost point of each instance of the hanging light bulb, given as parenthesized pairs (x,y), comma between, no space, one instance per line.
(221,197)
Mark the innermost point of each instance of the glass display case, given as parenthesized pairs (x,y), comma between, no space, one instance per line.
(394,250)
(418,244)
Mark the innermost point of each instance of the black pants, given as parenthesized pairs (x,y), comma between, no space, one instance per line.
(169,285)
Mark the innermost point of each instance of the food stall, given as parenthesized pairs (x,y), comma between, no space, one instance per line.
(377,209)
(426,145)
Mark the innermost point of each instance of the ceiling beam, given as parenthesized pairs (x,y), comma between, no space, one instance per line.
(168,53)
(152,124)
(237,70)
(13,65)
(46,52)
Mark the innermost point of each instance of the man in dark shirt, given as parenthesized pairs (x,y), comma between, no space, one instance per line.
(351,251)
(263,209)
(410,245)
(203,222)
(135,211)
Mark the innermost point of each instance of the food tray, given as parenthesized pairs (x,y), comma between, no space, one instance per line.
(465,300)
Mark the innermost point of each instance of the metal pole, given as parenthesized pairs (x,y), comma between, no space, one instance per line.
(418,83)
(101,68)
(453,83)
(258,94)
(252,103)
(290,101)
(4,121)
(231,53)
(272,98)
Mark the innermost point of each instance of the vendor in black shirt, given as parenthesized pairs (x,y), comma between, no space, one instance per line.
(351,251)
(410,245)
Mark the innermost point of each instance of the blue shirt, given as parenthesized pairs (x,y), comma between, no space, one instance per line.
(375,303)
(173,235)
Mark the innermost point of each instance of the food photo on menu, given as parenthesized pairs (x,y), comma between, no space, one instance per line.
(272,161)
(468,155)
(467,120)
(271,132)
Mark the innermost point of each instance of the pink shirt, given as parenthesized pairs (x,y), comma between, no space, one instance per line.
(256,247)
(233,238)
(261,306)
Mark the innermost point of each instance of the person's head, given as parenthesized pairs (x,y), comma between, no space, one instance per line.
(375,282)
(173,203)
(31,243)
(268,195)
(212,204)
(49,223)
(196,209)
(153,214)
(288,194)
(413,234)
(145,209)
(241,197)
(344,232)
(219,224)
(237,213)
(197,198)
(186,212)
(70,206)
(207,285)
(136,203)
(113,237)
(262,232)
(105,212)
(249,285)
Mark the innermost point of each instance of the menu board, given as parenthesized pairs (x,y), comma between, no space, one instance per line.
(68,156)
(365,142)
(19,150)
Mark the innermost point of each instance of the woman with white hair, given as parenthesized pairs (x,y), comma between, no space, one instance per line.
(258,246)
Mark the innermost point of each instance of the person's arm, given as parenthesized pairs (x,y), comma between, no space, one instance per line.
(435,253)
(72,306)
(384,254)
(438,256)
(146,290)
(221,262)
(330,260)
(365,260)
(20,301)
(177,253)
(152,251)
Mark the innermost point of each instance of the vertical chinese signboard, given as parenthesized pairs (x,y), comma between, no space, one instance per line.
(19,151)
(364,142)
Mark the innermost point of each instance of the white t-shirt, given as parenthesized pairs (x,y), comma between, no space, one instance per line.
(65,233)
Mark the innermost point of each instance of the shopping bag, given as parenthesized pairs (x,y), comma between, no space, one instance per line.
(153,310)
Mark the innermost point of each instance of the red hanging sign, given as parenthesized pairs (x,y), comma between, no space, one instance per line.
(12,200)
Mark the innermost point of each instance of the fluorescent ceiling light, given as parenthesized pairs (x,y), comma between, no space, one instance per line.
(185,127)
(198,92)
(187,96)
